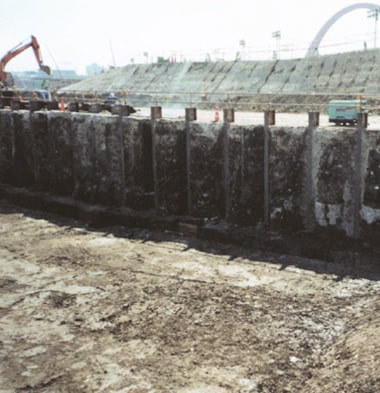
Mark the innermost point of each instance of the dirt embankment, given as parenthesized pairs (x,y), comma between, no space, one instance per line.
(117,310)
(295,85)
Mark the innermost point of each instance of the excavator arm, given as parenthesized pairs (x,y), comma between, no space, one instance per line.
(33,43)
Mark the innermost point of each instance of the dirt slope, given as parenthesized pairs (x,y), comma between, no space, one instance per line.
(344,73)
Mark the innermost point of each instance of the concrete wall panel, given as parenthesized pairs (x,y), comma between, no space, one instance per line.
(336,178)
(170,146)
(370,210)
(23,149)
(246,175)
(138,167)
(372,173)
(84,157)
(43,153)
(207,182)
(62,150)
(286,175)
(6,147)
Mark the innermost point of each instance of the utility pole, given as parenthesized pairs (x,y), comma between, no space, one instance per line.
(112,54)
(242,46)
(374,13)
(277,36)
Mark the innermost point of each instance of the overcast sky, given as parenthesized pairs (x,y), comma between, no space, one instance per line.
(75,33)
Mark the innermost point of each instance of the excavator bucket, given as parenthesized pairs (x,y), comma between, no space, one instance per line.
(46,69)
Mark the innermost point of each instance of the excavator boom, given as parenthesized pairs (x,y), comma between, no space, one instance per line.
(33,43)
(37,54)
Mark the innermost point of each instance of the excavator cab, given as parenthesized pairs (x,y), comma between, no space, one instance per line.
(8,80)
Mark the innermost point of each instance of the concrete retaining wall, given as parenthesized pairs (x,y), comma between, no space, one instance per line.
(345,73)
(315,178)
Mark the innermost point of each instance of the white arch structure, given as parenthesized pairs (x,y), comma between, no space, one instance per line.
(313,49)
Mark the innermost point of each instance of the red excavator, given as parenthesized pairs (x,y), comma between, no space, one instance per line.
(6,79)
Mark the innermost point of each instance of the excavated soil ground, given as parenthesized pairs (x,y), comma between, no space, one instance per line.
(122,310)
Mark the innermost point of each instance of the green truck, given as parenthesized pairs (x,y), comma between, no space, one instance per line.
(342,112)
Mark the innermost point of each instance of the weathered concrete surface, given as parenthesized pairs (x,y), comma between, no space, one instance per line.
(335,184)
(245,174)
(98,159)
(169,146)
(138,168)
(316,177)
(6,147)
(287,171)
(241,82)
(206,182)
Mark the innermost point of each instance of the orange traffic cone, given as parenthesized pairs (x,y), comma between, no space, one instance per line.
(217,118)
(62,106)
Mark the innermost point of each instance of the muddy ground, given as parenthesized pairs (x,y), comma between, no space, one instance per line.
(127,310)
